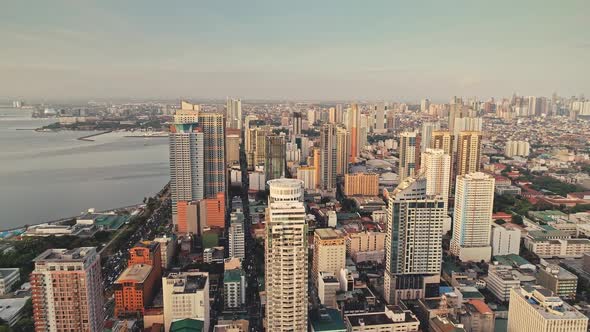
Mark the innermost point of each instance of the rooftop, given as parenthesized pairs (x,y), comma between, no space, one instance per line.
(328,233)
(137,273)
(187,325)
(188,282)
(368,319)
(11,307)
(327,320)
(8,271)
(66,255)
(546,304)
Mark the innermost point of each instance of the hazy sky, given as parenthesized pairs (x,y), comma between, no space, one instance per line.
(293,49)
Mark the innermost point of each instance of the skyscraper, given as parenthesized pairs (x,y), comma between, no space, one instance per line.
(379,111)
(468,152)
(233,111)
(213,127)
(339,114)
(407,155)
(317,162)
(413,242)
(474,200)
(436,166)
(297,124)
(286,257)
(276,157)
(342,150)
(424,105)
(456,111)
(354,120)
(188,113)
(328,157)
(67,290)
(186,165)
(236,235)
(233,149)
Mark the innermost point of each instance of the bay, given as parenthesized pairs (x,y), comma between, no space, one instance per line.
(51,175)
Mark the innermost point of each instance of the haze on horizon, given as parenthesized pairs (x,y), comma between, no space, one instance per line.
(328,50)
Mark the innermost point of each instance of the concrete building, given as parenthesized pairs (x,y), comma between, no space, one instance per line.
(232,142)
(329,252)
(328,286)
(237,247)
(407,155)
(366,246)
(76,275)
(234,288)
(468,152)
(517,148)
(538,310)
(297,122)
(167,250)
(342,150)
(186,166)
(307,174)
(9,278)
(428,128)
(474,200)
(436,166)
(477,316)
(413,243)
(134,290)
(186,296)
(328,157)
(562,248)
(500,281)
(233,111)
(361,184)
(286,264)
(505,240)
(188,113)
(275,161)
(327,320)
(354,120)
(213,127)
(558,280)
(13,309)
(392,319)
(379,117)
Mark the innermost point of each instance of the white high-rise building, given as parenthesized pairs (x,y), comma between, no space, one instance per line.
(407,155)
(505,241)
(186,295)
(413,241)
(474,200)
(436,166)
(236,235)
(234,113)
(186,164)
(424,105)
(286,257)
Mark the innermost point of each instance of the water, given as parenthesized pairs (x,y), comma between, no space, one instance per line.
(51,175)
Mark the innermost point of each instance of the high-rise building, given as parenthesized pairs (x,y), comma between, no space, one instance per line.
(234,288)
(424,105)
(363,184)
(340,114)
(363,131)
(436,166)
(286,264)
(186,296)
(236,235)
(186,165)
(67,290)
(354,120)
(457,111)
(413,242)
(380,109)
(276,157)
(297,124)
(536,309)
(443,139)
(342,150)
(329,252)
(167,250)
(328,157)
(517,148)
(233,113)
(332,115)
(307,174)
(426,136)
(317,162)
(474,200)
(213,127)
(256,147)
(468,152)
(188,113)
(407,155)
(232,142)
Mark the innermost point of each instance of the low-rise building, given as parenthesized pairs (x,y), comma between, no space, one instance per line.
(11,310)
(366,246)
(234,288)
(327,320)
(500,281)
(558,280)
(476,316)
(562,248)
(393,318)
(9,278)
(328,287)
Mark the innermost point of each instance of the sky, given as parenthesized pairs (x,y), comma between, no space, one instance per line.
(306,50)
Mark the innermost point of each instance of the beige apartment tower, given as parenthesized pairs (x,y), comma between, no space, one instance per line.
(329,252)
(468,152)
(342,150)
(361,184)
(407,155)
(286,264)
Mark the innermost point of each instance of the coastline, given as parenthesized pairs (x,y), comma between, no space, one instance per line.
(87,137)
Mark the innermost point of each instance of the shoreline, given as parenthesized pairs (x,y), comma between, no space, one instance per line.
(87,137)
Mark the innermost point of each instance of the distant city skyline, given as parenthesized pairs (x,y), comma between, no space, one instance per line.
(331,50)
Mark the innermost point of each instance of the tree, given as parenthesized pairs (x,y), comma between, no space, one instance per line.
(517,219)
